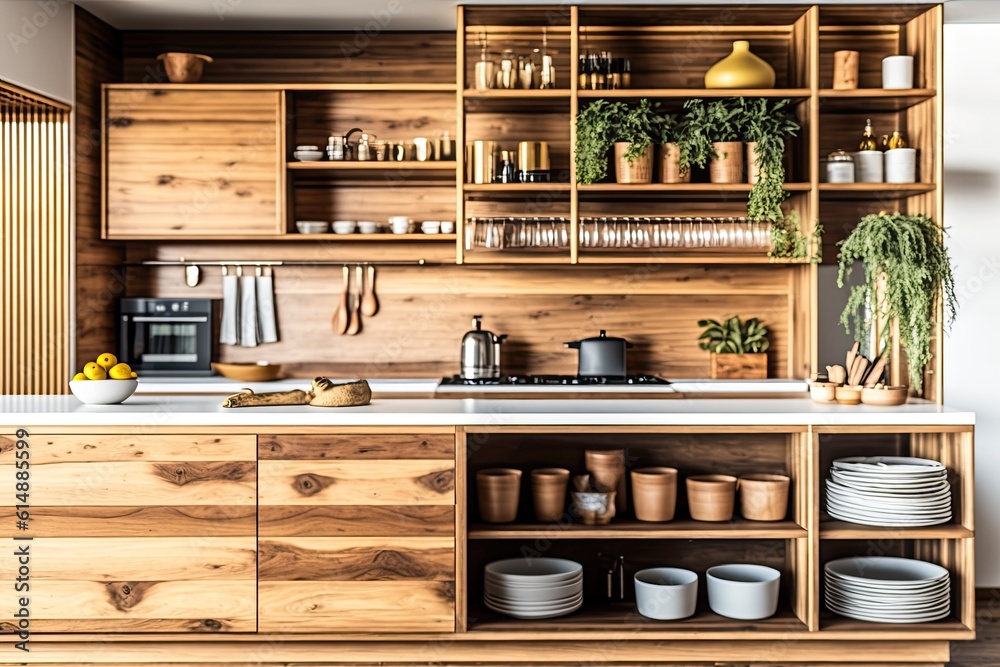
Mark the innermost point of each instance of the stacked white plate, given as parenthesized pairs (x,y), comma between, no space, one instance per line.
(888,590)
(889,491)
(534,587)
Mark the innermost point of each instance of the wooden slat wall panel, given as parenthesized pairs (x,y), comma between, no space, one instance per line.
(84,448)
(34,243)
(358,521)
(99,279)
(357,559)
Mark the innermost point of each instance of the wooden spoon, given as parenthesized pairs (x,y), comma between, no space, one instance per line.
(355,326)
(341,317)
(369,302)
(875,374)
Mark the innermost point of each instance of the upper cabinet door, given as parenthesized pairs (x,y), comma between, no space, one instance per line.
(202,163)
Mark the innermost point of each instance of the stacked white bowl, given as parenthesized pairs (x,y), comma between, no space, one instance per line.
(889,491)
(534,587)
(882,589)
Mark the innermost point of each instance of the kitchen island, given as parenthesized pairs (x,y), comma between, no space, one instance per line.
(171,529)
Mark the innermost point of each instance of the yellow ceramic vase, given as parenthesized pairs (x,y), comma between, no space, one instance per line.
(740,69)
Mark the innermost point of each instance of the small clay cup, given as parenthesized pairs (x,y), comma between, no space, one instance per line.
(548,492)
(711,497)
(498,490)
(764,497)
(654,493)
(607,469)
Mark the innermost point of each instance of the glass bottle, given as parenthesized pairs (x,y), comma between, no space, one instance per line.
(868,141)
(896,141)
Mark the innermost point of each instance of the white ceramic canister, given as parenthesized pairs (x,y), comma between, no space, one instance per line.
(868,166)
(897,72)
(840,167)
(901,165)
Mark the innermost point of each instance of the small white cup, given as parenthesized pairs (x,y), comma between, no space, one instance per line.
(901,165)
(447,226)
(344,226)
(367,226)
(430,226)
(868,167)
(897,72)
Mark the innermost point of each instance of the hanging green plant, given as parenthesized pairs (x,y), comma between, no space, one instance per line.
(692,135)
(602,123)
(906,269)
(766,123)
(789,242)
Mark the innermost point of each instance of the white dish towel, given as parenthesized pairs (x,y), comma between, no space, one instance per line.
(229,333)
(249,334)
(266,318)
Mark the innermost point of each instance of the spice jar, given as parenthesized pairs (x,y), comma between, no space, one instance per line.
(840,167)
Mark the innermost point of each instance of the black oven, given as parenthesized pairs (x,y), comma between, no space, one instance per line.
(167,336)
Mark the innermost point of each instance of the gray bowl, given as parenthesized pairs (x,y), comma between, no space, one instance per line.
(666,593)
(743,591)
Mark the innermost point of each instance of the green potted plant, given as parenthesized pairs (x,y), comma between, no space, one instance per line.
(724,128)
(631,131)
(596,131)
(672,150)
(907,270)
(638,128)
(766,124)
(739,350)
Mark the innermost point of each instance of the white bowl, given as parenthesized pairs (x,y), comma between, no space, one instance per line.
(367,226)
(743,591)
(103,392)
(536,570)
(447,227)
(430,226)
(312,226)
(344,226)
(308,156)
(399,220)
(666,593)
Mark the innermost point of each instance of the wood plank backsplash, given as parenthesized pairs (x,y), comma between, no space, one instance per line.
(425,311)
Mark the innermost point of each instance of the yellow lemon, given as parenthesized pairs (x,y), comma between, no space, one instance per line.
(120,372)
(107,360)
(78,377)
(134,374)
(94,372)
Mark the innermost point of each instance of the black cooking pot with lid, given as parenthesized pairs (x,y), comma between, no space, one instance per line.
(601,355)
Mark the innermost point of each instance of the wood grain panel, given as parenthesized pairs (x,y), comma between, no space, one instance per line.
(93,448)
(365,521)
(357,482)
(192,521)
(374,200)
(357,559)
(217,163)
(110,559)
(347,606)
(125,484)
(355,447)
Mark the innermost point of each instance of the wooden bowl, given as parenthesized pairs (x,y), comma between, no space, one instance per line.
(886,396)
(823,392)
(848,395)
(258,372)
(184,67)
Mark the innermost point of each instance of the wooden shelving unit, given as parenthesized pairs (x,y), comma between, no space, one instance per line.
(626,529)
(375,165)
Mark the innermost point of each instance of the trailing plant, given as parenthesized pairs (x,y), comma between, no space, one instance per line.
(601,124)
(766,122)
(788,241)
(639,126)
(692,135)
(906,269)
(732,337)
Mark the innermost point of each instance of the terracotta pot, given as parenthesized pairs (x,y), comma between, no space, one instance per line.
(711,497)
(639,170)
(594,508)
(728,166)
(764,497)
(654,493)
(607,468)
(670,167)
(183,67)
(548,492)
(498,490)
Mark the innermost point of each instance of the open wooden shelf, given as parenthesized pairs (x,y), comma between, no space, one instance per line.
(842,530)
(374,165)
(516,187)
(704,189)
(382,237)
(946,628)
(862,100)
(796,94)
(678,256)
(518,93)
(874,191)
(634,529)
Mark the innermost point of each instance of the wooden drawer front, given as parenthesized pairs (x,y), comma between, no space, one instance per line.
(346,520)
(91,448)
(357,482)
(375,446)
(192,162)
(357,559)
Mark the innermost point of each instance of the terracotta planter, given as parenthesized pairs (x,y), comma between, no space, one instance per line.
(607,468)
(184,67)
(639,170)
(594,509)
(728,166)
(711,497)
(751,366)
(654,493)
(548,492)
(498,490)
(670,167)
(763,497)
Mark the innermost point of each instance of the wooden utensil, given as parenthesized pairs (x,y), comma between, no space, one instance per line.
(875,374)
(857,372)
(355,326)
(837,374)
(851,356)
(369,302)
(342,317)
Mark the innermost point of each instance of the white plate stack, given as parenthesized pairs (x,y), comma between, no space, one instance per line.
(889,491)
(888,590)
(534,587)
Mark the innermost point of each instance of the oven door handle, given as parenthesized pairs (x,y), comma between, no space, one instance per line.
(166,320)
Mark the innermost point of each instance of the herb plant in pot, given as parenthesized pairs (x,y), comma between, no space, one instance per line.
(739,350)
(907,270)
(673,151)
(724,118)
(596,132)
(604,125)
(637,129)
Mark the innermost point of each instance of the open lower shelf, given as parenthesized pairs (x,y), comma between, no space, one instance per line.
(842,530)
(623,617)
(871,99)
(373,165)
(633,529)
(873,190)
(369,238)
(947,628)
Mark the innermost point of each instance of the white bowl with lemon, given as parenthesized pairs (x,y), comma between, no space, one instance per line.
(104,382)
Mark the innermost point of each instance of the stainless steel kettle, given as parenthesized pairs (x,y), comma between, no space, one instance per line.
(481,352)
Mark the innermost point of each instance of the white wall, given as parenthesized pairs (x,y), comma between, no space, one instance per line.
(36,46)
(972,212)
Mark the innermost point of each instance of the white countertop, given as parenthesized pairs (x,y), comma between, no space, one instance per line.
(216,384)
(150,411)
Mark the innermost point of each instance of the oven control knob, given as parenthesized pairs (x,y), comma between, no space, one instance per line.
(175,306)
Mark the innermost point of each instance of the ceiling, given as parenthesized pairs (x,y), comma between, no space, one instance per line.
(394,14)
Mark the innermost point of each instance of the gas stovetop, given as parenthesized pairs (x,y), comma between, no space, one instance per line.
(534,382)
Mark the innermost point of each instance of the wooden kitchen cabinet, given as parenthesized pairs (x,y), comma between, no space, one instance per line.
(137,533)
(357,533)
(192,163)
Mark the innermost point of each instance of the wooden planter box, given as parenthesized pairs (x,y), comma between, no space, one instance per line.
(739,366)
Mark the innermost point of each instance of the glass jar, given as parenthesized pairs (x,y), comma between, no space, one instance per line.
(840,167)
